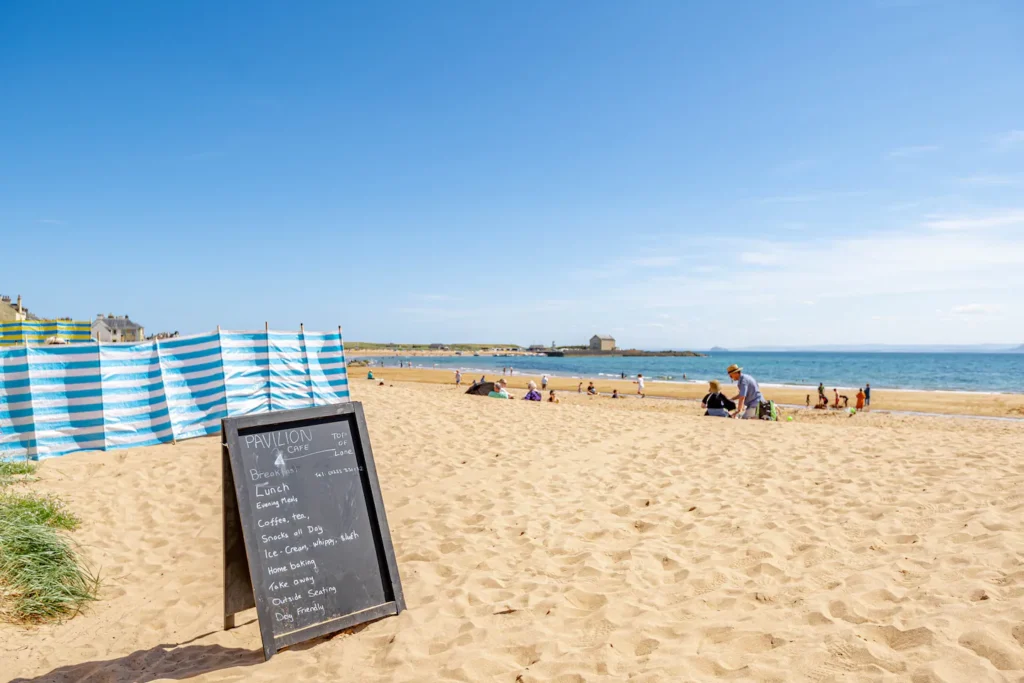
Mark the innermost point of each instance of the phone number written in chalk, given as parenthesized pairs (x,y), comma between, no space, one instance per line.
(340,470)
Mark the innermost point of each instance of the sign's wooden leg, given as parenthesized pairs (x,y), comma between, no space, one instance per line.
(229,622)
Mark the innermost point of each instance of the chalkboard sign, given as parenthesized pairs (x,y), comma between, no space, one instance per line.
(306,540)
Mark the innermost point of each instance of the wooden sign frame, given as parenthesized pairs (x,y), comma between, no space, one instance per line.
(240,556)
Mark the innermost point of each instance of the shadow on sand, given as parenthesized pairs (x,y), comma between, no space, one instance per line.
(169,662)
(161,662)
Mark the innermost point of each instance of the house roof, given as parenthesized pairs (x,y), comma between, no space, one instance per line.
(119,324)
(605,337)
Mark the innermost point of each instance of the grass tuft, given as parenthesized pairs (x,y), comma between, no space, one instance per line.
(9,468)
(12,472)
(31,508)
(42,577)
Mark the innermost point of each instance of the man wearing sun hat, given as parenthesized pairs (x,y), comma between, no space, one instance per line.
(750,394)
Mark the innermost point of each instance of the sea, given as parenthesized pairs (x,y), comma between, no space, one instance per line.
(970,372)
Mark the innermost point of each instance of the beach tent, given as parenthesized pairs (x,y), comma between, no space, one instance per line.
(481,389)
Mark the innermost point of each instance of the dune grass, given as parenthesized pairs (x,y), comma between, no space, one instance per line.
(42,578)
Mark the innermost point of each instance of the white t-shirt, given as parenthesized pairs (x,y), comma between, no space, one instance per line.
(640,383)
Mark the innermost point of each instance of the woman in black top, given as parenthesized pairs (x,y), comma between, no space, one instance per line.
(715,403)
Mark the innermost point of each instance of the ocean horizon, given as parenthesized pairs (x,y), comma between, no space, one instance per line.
(903,370)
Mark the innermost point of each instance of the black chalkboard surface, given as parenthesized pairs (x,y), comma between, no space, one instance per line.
(306,540)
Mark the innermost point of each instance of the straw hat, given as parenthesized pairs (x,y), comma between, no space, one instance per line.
(733,368)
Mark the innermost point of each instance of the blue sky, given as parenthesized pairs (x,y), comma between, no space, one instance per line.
(677,174)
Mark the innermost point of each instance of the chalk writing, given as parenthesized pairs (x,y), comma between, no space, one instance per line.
(279,438)
(314,542)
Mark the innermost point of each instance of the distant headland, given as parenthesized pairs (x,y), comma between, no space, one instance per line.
(600,345)
(558,353)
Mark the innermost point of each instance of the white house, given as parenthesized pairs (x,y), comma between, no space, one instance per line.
(113,328)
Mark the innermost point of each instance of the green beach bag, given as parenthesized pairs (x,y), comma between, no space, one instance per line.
(767,410)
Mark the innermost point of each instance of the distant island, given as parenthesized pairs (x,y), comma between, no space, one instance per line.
(718,349)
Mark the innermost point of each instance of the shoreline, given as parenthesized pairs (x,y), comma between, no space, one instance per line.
(651,380)
(944,403)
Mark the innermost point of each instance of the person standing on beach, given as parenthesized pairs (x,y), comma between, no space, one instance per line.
(579,388)
(749,396)
(867,396)
(503,371)
(640,385)
(544,382)
(458,378)
(821,392)
(860,399)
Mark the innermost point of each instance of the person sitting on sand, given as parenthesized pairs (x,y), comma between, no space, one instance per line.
(860,399)
(369,375)
(715,403)
(552,398)
(532,394)
(591,389)
(615,393)
(499,390)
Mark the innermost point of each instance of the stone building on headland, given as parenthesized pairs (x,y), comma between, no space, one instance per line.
(115,328)
(602,342)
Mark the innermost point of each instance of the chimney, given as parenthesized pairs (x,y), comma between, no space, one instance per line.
(19,303)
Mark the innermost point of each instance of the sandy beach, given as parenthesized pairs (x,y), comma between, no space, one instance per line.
(939,402)
(593,540)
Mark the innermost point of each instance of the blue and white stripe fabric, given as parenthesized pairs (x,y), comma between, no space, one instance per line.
(67,398)
(59,399)
(246,372)
(193,377)
(325,362)
(17,430)
(289,378)
(134,401)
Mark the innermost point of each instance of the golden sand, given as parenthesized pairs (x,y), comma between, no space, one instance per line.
(593,540)
(940,402)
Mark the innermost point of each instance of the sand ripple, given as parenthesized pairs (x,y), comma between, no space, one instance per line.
(588,541)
